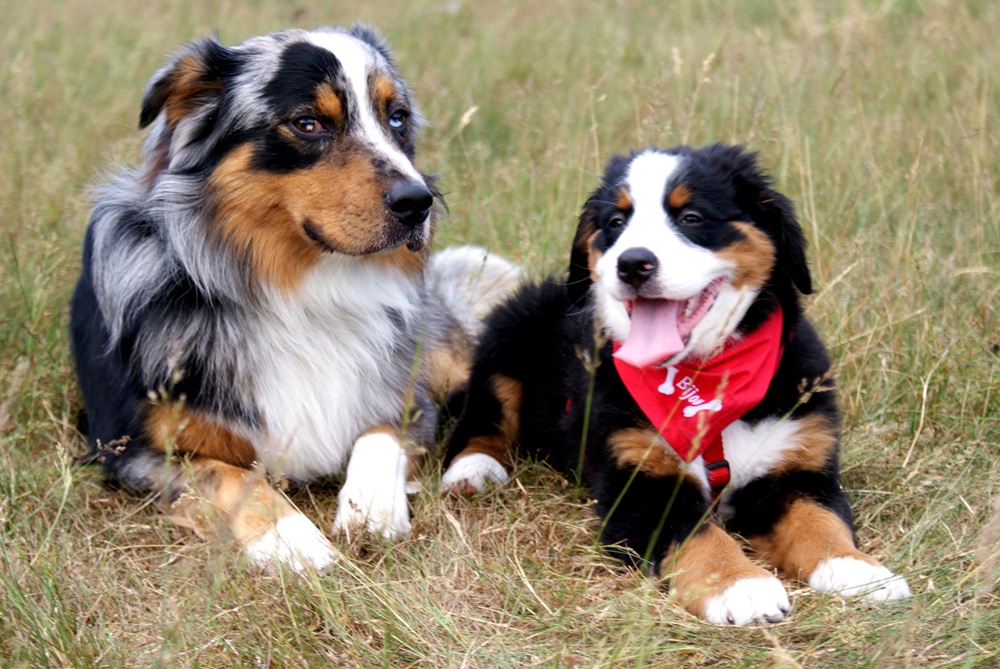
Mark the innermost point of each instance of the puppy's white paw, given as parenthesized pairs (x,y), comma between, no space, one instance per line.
(470,474)
(852,577)
(294,542)
(749,600)
(373,496)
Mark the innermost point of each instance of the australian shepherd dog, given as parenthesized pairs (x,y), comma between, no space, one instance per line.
(257,299)
(675,372)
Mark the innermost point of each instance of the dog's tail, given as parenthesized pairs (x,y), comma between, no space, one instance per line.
(464,284)
(468,282)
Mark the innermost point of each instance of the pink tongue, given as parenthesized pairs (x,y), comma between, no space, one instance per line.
(654,335)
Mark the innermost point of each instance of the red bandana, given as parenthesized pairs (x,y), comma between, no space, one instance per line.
(692,402)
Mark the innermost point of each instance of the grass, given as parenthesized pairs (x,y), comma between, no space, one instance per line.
(878,118)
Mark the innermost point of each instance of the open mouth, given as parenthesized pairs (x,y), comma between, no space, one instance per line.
(660,329)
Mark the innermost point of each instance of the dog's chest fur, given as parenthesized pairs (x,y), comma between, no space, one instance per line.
(332,361)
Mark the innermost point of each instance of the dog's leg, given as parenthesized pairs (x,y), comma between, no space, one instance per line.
(813,543)
(653,504)
(374,492)
(215,487)
(797,516)
(712,578)
(480,449)
(207,492)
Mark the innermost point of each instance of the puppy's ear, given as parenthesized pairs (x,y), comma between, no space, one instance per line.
(773,212)
(582,260)
(579,281)
(192,80)
(780,214)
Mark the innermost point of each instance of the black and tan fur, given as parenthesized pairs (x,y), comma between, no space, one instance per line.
(699,221)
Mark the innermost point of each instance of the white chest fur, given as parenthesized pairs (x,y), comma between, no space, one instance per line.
(754,450)
(332,361)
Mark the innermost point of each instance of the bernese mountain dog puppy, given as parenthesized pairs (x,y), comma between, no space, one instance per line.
(257,298)
(675,373)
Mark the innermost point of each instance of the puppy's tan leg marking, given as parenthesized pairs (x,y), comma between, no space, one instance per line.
(813,544)
(713,579)
(485,459)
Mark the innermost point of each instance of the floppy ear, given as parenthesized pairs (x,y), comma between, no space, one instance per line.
(578,283)
(192,80)
(773,212)
(580,261)
(780,214)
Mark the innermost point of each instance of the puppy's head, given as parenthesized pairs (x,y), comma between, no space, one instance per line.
(296,143)
(676,246)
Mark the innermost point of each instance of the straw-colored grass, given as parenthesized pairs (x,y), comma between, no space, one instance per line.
(880,119)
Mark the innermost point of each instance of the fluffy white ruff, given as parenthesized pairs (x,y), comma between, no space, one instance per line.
(851,577)
(749,600)
(329,363)
(473,471)
(294,542)
(374,494)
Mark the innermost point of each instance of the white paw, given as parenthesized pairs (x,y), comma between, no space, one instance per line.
(373,496)
(294,542)
(856,578)
(470,474)
(749,600)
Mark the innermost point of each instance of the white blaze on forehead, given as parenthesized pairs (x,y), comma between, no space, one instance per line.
(357,61)
(647,178)
(685,268)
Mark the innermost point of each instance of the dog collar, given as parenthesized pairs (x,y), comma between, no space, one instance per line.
(692,402)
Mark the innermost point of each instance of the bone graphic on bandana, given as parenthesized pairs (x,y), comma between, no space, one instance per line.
(696,404)
(667,387)
(714,405)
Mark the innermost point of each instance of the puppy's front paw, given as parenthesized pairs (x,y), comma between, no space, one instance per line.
(471,473)
(852,577)
(294,542)
(374,493)
(749,600)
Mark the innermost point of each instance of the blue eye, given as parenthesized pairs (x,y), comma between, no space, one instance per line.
(398,119)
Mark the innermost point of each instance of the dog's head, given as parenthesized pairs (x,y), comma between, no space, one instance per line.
(298,143)
(676,246)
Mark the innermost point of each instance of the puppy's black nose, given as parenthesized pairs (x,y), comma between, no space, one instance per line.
(409,202)
(636,265)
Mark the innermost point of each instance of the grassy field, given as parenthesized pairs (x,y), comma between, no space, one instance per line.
(880,119)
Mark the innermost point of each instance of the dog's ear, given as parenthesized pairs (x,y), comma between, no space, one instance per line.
(779,212)
(578,283)
(772,211)
(581,260)
(193,80)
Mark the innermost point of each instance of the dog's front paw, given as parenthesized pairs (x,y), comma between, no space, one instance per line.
(852,577)
(469,474)
(380,511)
(374,493)
(294,542)
(749,600)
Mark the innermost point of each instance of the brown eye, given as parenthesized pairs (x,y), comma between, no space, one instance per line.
(692,218)
(307,125)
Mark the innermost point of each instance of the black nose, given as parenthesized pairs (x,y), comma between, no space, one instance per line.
(409,202)
(636,265)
